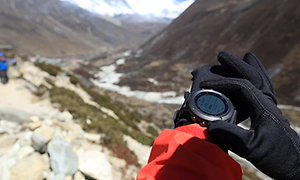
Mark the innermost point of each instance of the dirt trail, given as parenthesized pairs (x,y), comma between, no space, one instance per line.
(16,95)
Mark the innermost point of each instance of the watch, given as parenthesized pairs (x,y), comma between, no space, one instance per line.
(204,106)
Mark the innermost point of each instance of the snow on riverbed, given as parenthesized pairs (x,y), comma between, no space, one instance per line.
(108,78)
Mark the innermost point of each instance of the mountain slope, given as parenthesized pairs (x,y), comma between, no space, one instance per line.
(55,28)
(266,27)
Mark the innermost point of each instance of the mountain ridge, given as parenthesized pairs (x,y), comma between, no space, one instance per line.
(267,28)
(54,28)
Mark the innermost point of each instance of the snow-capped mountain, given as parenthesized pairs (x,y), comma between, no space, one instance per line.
(168,9)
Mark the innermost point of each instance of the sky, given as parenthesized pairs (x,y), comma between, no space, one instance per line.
(157,8)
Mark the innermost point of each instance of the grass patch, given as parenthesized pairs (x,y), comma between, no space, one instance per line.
(73,79)
(114,130)
(152,131)
(51,69)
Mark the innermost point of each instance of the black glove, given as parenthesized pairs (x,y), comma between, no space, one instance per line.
(270,144)
(231,66)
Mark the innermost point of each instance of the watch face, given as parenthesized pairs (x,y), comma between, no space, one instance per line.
(211,104)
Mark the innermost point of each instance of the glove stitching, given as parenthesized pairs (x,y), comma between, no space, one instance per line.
(278,122)
(290,137)
(274,118)
(296,174)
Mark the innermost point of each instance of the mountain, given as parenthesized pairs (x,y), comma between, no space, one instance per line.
(154,10)
(269,28)
(55,28)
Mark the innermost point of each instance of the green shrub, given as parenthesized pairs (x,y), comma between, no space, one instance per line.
(152,131)
(73,79)
(114,130)
(51,69)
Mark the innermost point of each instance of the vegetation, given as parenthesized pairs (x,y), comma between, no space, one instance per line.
(73,79)
(113,128)
(152,131)
(51,69)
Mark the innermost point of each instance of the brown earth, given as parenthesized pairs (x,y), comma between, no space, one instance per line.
(269,28)
(55,28)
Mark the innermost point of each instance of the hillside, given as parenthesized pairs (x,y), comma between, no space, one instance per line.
(269,28)
(56,28)
(100,134)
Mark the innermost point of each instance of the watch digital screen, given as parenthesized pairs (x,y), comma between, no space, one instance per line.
(211,104)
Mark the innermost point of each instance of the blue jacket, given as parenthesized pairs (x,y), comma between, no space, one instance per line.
(3,65)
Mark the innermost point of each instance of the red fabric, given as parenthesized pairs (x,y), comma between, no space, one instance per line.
(183,154)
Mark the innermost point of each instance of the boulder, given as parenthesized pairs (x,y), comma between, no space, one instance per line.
(39,142)
(14,115)
(30,167)
(24,152)
(6,143)
(62,158)
(45,131)
(95,165)
(41,137)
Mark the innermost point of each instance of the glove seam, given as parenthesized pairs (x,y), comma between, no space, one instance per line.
(291,177)
(274,118)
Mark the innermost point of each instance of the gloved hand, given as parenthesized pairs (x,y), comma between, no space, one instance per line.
(270,144)
(231,66)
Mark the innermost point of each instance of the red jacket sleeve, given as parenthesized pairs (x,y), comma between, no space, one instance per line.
(183,153)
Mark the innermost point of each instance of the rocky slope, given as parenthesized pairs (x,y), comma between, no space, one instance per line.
(41,139)
(100,134)
(268,28)
(56,28)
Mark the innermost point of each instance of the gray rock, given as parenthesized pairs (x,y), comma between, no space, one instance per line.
(41,137)
(62,158)
(39,142)
(14,115)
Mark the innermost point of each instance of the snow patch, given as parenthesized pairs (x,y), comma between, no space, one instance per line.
(107,78)
(154,8)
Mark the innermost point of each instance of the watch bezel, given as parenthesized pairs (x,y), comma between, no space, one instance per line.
(191,104)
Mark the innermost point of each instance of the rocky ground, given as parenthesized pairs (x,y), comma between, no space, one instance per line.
(52,127)
(40,141)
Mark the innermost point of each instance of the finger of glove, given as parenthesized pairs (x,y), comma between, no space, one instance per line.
(231,137)
(206,73)
(245,96)
(241,68)
(252,60)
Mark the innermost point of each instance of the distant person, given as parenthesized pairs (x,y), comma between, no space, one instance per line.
(3,68)
(194,152)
